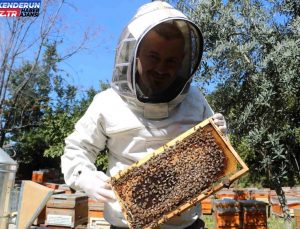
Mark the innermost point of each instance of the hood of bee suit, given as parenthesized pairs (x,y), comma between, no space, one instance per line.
(124,80)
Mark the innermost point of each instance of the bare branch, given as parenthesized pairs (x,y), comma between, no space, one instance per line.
(15,47)
(80,47)
(21,127)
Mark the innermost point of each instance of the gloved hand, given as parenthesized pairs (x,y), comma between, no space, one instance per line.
(95,185)
(219,120)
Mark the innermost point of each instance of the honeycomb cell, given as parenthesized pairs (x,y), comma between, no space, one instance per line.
(170,179)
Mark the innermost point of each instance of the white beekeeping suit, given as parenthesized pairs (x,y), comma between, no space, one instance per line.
(131,125)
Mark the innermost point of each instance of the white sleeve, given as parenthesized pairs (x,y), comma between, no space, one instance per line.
(83,145)
(198,99)
(207,111)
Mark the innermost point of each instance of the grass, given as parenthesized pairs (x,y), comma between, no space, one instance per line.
(274,222)
(278,223)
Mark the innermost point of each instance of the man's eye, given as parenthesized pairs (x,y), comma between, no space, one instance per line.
(172,62)
(153,57)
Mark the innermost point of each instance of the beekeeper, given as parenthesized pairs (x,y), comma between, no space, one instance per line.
(150,102)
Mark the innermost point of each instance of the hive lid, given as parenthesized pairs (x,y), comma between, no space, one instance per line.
(67,200)
(252,203)
(6,159)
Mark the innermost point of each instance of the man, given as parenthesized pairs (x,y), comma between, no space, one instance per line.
(150,103)
(159,59)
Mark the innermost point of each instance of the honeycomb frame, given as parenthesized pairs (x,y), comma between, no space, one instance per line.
(234,168)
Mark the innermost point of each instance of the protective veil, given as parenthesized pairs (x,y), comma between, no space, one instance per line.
(130,128)
(124,75)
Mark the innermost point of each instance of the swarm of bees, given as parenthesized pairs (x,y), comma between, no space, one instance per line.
(170,179)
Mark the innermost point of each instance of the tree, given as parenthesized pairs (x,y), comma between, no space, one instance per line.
(252,57)
(33,88)
(59,121)
(25,69)
(47,139)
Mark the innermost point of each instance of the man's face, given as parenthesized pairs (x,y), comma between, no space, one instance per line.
(158,61)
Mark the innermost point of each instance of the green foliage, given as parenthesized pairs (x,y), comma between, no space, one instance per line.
(59,107)
(59,119)
(38,108)
(42,146)
(252,60)
(102,160)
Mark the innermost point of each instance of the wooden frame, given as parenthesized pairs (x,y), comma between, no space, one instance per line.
(235,168)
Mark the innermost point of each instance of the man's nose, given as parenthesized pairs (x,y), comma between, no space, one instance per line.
(161,67)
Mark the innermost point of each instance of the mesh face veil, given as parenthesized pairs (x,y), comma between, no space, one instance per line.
(156,17)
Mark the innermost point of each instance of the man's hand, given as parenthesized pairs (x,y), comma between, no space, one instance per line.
(219,120)
(96,186)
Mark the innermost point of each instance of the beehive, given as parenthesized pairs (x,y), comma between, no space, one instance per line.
(297,218)
(67,210)
(254,214)
(227,214)
(241,194)
(261,195)
(96,216)
(293,202)
(206,206)
(176,176)
(225,194)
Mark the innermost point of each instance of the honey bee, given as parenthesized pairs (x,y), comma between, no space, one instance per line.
(170,179)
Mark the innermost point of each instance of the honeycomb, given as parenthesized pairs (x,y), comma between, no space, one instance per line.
(170,179)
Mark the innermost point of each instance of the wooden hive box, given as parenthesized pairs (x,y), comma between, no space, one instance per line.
(294,191)
(225,194)
(241,194)
(236,194)
(207,206)
(96,215)
(95,205)
(261,195)
(42,216)
(177,175)
(38,176)
(297,218)
(253,213)
(67,210)
(98,223)
(227,214)
(293,202)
